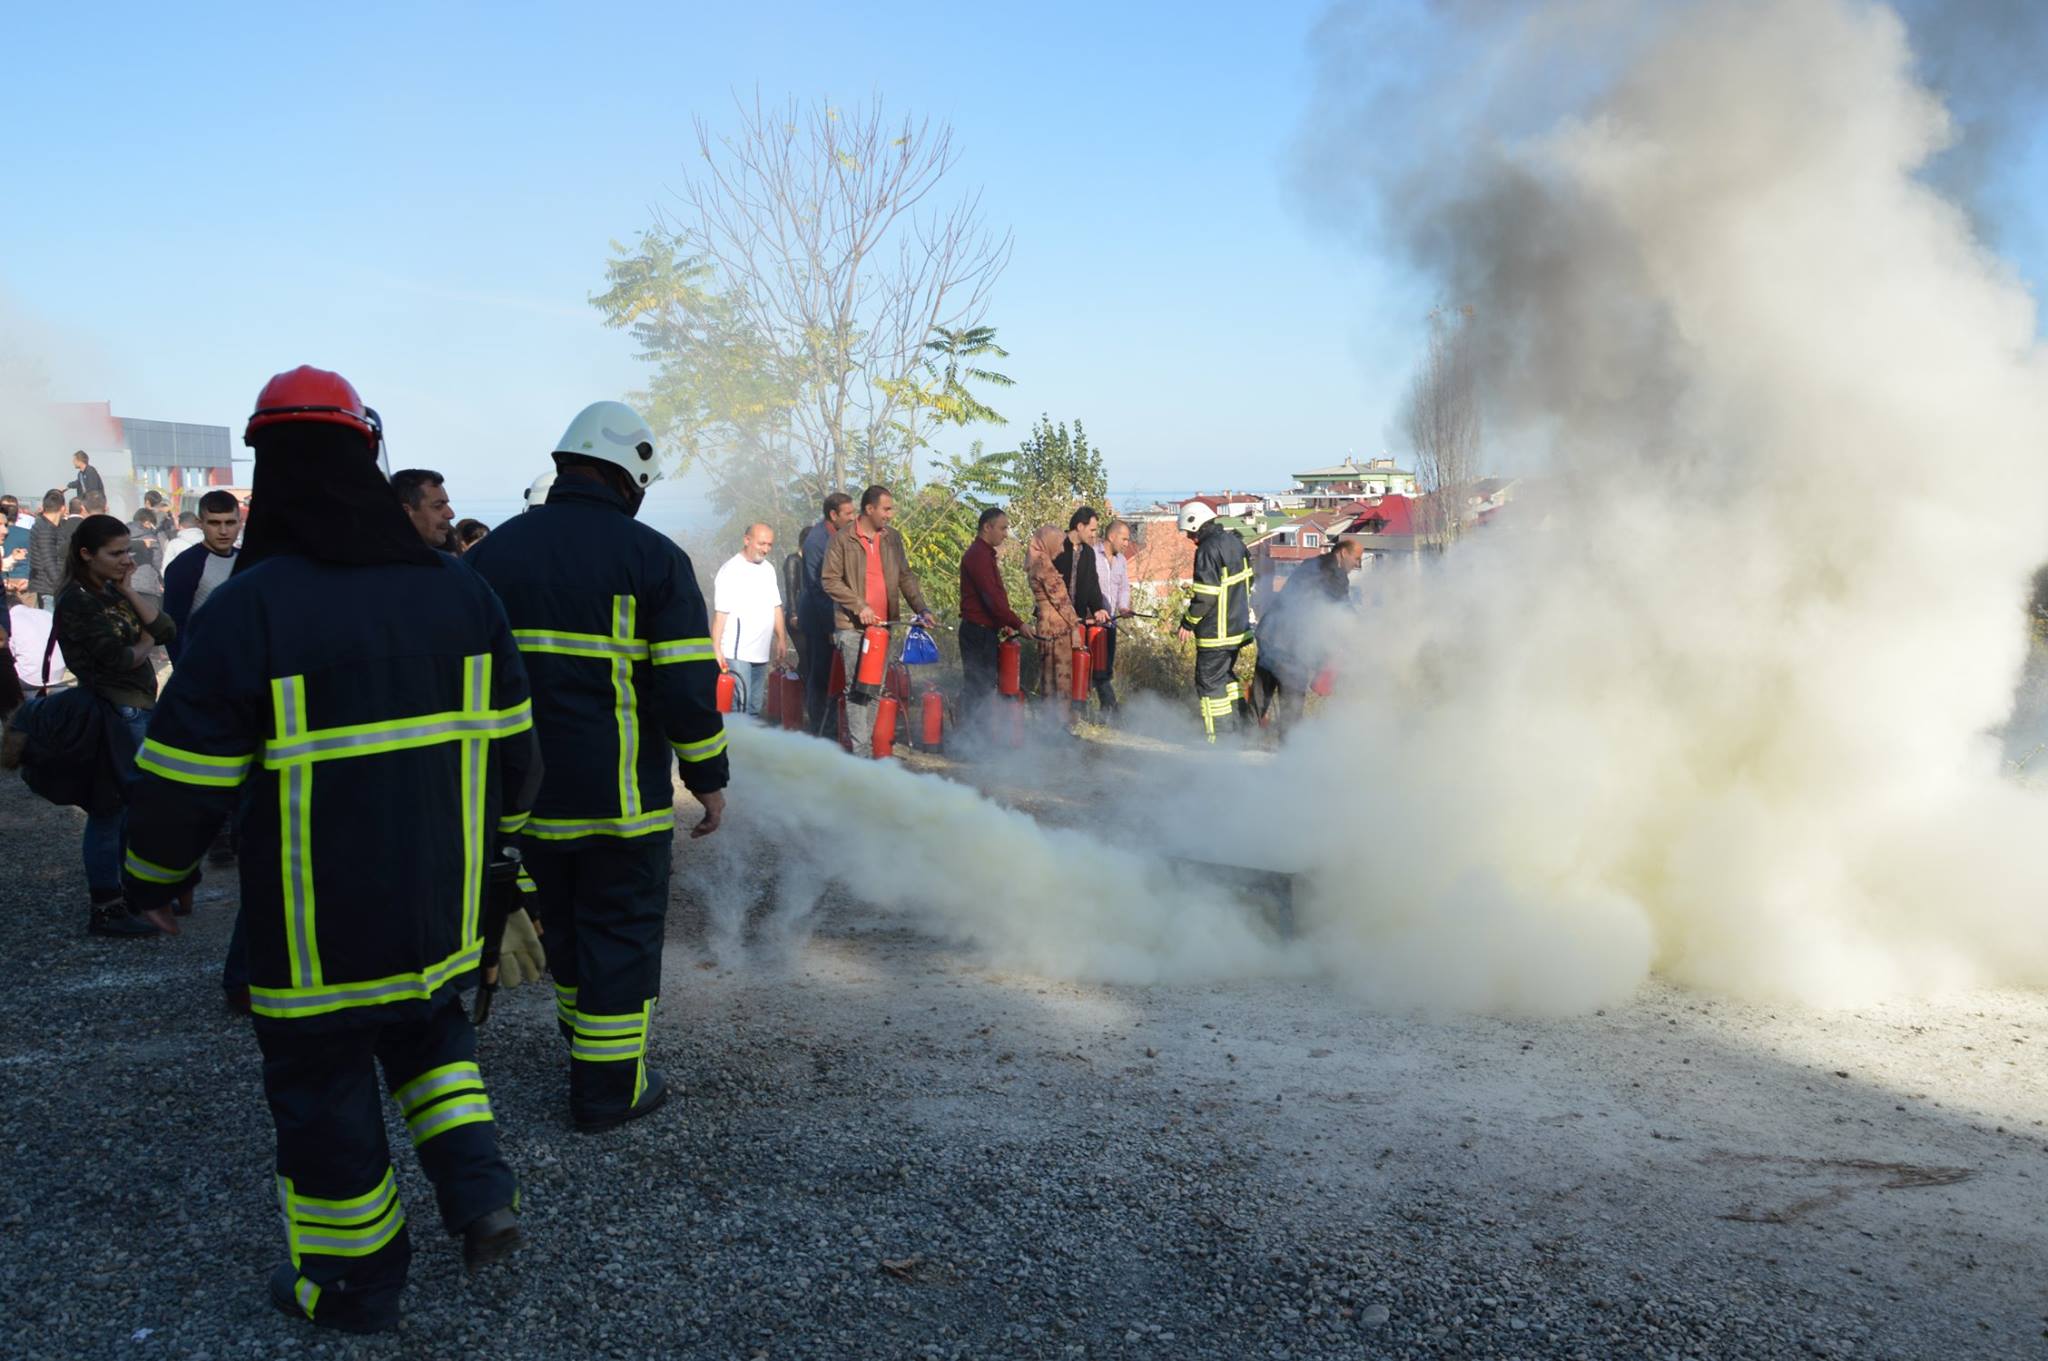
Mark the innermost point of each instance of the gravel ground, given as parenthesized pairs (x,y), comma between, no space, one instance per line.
(883,1149)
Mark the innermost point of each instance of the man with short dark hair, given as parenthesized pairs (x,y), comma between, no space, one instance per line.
(427,506)
(814,614)
(85,480)
(866,569)
(49,539)
(986,617)
(191,577)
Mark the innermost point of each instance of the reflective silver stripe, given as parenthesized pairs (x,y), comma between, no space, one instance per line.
(161,756)
(296,790)
(308,1295)
(684,652)
(420,985)
(438,1119)
(473,725)
(546,828)
(353,1246)
(629,716)
(298,1207)
(416,1097)
(477,695)
(589,645)
(633,1024)
(605,1051)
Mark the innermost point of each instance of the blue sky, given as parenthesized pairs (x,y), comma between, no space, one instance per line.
(421,197)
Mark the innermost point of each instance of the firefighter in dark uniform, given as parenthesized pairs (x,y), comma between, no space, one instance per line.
(608,616)
(355,701)
(1219,614)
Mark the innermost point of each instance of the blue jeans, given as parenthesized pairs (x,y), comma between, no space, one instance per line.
(104,832)
(753,679)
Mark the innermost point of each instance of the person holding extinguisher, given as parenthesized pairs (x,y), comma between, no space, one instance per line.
(985,620)
(866,570)
(1055,625)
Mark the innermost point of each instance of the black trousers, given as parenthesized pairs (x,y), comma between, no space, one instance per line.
(1217,689)
(335,1185)
(1273,697)
(814,664)
(978,686)
(1105,672)
(604,905)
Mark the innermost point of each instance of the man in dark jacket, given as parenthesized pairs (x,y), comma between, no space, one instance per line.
(814,614)
(192,577)
(367,692)
(866,569)
(1219,614)
(49,538)
(985,617)
(625,684)
(85,479)
(1294,635)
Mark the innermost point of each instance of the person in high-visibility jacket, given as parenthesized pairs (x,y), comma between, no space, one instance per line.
(355,701)
(625,684)
(1219,614)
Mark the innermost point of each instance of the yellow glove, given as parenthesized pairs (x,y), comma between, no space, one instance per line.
(521,958)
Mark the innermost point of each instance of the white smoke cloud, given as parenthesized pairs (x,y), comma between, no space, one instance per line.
(1723,713)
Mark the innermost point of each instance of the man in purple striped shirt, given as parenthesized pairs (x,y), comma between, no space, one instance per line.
(1113,574)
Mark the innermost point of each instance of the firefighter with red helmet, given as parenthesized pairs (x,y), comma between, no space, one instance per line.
(1219,614)
(614,631)
(354,700)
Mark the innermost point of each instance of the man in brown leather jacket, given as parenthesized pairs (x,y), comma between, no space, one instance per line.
(866,569)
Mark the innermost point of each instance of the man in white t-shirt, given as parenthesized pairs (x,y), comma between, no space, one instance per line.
(747,630)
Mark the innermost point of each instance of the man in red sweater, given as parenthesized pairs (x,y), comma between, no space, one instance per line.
(985,619)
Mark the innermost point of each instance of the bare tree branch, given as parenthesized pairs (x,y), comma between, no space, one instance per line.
(1444,425)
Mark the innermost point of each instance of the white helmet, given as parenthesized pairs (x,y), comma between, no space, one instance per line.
(1194,515)
(537,494)
(612,432)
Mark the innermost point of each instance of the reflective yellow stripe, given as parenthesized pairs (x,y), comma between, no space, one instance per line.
(1232,640)
(436,1083)
(193,767)
(564,643)
(355,1227)
(1200,589)
(684,650)
(568,829)
(512,822)
(152,873)
(468,723)
(295,845)
(476,695)
(702,750)
(626,701)
(318,1001)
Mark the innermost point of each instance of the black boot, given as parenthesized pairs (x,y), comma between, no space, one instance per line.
(650,1101)
(490,1237)
(111,917)
(331,1308)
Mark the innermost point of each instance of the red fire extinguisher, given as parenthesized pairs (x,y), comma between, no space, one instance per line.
(728,685)
(933,707)
(1082,669)
(1010,668)
(874,661)
(1325,678)
(898,683)
(771,703)
(836,687)
(845,735)
(792,700)
(1098,648)
(886,710)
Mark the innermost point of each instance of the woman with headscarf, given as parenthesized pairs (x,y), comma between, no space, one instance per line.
(1054,623)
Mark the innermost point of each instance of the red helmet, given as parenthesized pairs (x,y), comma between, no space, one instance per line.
(310,394)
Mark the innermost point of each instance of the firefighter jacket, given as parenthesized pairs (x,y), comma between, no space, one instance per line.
(370,729)
(1220,611)
(607,613)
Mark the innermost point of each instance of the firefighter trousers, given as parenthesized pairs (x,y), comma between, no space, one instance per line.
(604,905)
(343,1223)
(1216,688)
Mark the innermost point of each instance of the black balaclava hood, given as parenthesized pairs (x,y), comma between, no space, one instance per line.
(319,494)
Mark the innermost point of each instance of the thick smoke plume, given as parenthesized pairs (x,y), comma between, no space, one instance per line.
(1715,701)
(1715,695)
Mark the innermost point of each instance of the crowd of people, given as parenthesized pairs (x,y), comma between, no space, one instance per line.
(382,715)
